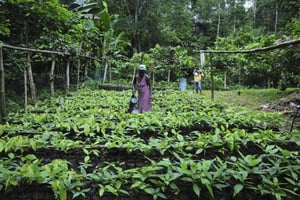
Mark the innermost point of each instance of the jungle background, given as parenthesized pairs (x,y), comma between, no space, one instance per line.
(165,35)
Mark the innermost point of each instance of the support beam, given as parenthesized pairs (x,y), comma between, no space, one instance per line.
(2,87)
(262,49)
(212,77)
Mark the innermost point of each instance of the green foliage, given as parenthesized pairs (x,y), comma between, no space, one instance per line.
(207,145)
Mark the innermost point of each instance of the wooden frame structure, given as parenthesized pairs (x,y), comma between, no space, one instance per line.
(28,73)
(53,54)
(262,49)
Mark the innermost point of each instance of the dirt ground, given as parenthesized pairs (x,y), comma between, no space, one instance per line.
(289,106)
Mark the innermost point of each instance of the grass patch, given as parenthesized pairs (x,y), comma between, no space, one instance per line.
(252,98)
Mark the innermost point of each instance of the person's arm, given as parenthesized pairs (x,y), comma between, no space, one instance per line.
(194,71)
(148,81)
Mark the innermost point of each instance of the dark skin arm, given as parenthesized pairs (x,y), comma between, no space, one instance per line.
(148,82)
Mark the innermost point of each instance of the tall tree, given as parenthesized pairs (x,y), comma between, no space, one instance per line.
(274,14)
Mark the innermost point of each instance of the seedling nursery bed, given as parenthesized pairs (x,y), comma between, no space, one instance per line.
(187,147)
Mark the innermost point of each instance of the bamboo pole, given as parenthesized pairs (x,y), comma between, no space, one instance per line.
(2,90)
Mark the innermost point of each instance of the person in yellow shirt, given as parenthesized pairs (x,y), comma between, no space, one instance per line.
(198,78)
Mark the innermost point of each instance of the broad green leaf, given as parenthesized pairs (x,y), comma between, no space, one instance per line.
(101,191)
(180,137)
(150,191)
(196,189)
(237,189)
(111,189)
(86,129)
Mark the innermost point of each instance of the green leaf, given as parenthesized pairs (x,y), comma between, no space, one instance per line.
(205,181)
(27,170)
(111,189)
(237,189)
(230,142)
(196,189)
(210,190)
(206,165)
(291,181)
(101,191)
(86,129)
(180,137)
(62,193)
(150,191)
(86,159)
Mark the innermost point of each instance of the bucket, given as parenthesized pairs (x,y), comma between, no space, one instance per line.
(182,83)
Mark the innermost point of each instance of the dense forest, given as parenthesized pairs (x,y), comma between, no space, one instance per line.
(165,35)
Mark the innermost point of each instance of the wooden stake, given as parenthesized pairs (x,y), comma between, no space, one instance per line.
(31,81)
(25,92)
(212,77)
(68,76)
(2,89)
(52,76)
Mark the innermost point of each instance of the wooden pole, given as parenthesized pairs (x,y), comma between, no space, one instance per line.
(86,72)
(31,81)
(2,90)
(212,77)
(25,91)
(68,76)
(110,76)
(52,75)
(262,49)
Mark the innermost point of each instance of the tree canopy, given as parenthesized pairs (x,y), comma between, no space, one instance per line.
(170,33)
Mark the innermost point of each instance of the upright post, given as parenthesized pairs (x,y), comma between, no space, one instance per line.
(51,75)
(2,89)
(68,76)
(212,77)
(25,92)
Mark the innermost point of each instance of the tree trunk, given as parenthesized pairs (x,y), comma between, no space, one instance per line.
(219,24)
(25,92)
(109,64)
(276,19)
(68,76)
(169,75)
(31,81)
(2,90)
(51,76)
(234,24)
(86,72)
(254,12)
(105,72)
(78,65)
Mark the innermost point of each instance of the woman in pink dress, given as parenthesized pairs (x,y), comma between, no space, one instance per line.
(141,83)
